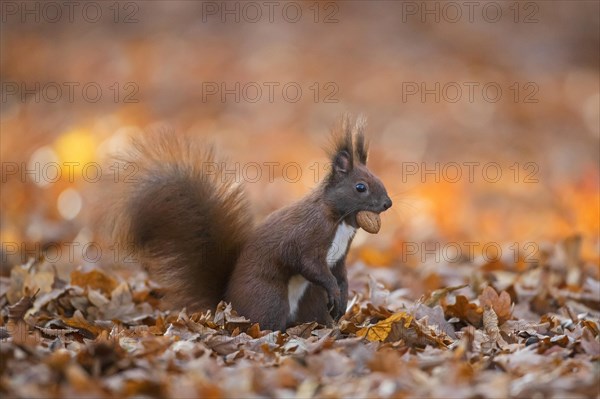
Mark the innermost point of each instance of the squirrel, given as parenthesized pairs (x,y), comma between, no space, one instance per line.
(193,230)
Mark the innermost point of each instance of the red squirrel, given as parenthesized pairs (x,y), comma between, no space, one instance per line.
(193,231)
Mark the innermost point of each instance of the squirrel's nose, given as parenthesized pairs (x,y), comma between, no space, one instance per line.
(387,204)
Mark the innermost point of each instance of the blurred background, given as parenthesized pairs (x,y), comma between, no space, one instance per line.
(483,116)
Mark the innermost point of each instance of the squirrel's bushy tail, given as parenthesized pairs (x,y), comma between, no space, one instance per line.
(185,220)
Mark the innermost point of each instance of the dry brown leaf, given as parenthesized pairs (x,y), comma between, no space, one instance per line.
(400,326)
(302,330)
(434,316)
(19,331)
(159,326)
(18,310)
(254,331)
(589,343)
(490,323)
(465,311)
(381,331)
(142,387)
(592,326)
(225,345)
(59,359)
(86,328)
(56,332)
(436,295)
(94,279)
(78,378)
(501,304)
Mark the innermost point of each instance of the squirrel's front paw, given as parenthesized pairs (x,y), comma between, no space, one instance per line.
(333,304)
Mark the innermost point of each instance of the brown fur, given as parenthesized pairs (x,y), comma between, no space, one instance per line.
(186,226)
(194,233)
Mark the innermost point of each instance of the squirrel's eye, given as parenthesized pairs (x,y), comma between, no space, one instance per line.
(361,187)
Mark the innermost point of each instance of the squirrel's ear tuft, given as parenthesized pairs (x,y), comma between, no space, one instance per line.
(361,147)
(342,148)
(348,145)
(342,163)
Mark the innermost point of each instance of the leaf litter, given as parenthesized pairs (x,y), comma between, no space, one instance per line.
(98,333)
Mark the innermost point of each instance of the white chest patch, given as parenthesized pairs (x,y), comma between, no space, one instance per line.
(298,284)
(296,287)
(339,245)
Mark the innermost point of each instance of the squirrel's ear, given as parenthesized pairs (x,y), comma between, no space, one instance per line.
(341,163)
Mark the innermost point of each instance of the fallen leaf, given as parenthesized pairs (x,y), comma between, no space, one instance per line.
(95,279)
(18,310)
(589,343)
(501,304)
(86,328)
(467,312)
(436,295)
(401,326)
(490,323)
(302,330)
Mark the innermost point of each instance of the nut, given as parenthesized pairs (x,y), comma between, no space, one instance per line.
(369,221)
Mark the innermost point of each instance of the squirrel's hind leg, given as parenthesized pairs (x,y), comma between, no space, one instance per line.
(313,307)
